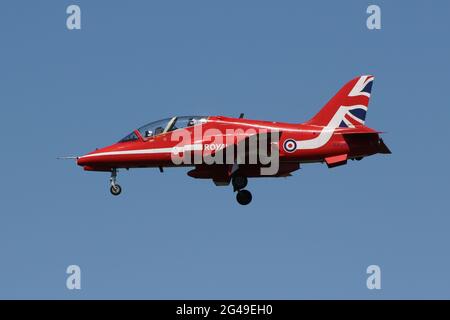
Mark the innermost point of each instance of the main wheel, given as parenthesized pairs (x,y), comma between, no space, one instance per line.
(244,197)
(115,190)
(239,182)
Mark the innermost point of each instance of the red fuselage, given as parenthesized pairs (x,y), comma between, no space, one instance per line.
(353,142)
(228,150)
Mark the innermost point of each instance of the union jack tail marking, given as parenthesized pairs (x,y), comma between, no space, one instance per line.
(348,107)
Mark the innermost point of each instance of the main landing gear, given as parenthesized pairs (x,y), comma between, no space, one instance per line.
(115,189)
(243,197)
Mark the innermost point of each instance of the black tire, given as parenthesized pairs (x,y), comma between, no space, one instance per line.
(115,190)
(358,158)
(244,197)
(239,182)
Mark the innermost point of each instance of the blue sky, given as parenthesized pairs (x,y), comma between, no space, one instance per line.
(170,236)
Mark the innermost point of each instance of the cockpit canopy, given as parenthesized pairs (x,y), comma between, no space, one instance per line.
(155,128)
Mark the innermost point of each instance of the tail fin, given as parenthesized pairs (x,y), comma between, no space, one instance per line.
(348,107)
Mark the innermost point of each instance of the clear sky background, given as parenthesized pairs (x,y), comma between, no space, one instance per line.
(169,236)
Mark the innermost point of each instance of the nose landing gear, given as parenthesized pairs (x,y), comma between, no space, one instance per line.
(115,189)
(243,197)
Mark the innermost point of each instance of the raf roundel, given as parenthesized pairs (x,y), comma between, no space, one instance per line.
(290,145)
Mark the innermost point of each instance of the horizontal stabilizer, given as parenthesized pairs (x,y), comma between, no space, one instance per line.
(361,131)
(336,160)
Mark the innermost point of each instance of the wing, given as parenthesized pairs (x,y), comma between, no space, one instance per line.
(246,157)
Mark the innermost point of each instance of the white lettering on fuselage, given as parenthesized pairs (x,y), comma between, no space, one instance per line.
(214,146)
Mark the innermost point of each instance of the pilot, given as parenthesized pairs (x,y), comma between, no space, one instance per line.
(191,122)
(159,130)
(148,133)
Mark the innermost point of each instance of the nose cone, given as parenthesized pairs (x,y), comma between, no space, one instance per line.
(91,160)
(99,160)
(88,161)
(82,161)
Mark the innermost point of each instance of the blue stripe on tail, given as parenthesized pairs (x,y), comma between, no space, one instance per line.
(368,88)
(343,125)
(359,113)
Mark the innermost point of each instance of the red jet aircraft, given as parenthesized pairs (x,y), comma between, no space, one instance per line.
(334,135)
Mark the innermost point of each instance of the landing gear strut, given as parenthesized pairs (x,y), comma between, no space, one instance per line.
(239,182)
(243,197)
(115,189)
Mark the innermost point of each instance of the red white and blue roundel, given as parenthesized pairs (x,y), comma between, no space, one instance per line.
(290,145)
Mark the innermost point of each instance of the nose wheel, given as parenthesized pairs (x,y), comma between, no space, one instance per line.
(243,197)
(115,189)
